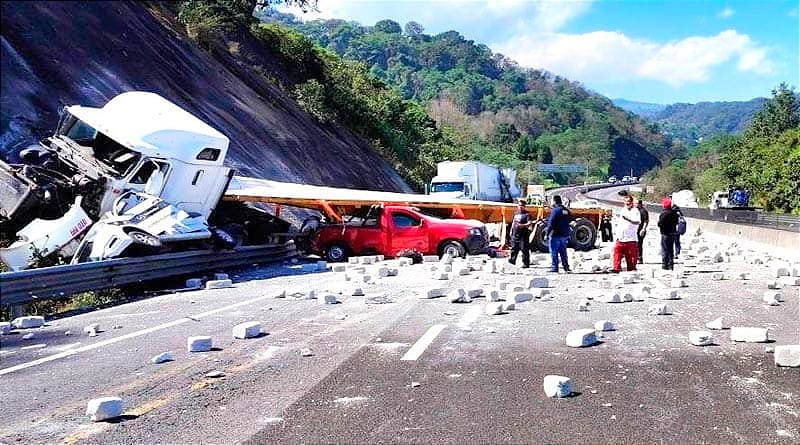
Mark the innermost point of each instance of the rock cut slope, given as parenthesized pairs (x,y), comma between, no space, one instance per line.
(62,53)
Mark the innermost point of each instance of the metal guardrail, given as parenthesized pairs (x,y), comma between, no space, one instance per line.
(61,281)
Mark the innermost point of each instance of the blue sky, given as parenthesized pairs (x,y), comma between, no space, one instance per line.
(644,50)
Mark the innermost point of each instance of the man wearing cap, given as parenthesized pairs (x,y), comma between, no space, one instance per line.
(520,235)
(668,225)
(558,230)
(627,236)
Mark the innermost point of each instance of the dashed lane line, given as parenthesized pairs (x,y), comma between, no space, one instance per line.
(422,344)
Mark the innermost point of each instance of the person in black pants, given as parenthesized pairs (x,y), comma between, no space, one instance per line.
(644,221)
(668,226)
(520,235)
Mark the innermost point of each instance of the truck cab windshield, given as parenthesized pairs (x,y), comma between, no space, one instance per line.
(447,187)
(104,149)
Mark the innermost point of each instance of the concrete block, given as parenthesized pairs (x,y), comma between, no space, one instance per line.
(221,276)
(367,260)
(580,338)
(789,281)
(463,270)
(796,270)
(744,276)
(494,308)
(538,282)
(200,343)
(380,257)
(505,285)
(664,294)
(458,296)
(610,297)
(28,322)
(387,272)
(603,325)
(475,267)
(328,299)
(583,306)
(509,306)
(718,276)
(605,284)
(716,324)
(540,293)
(357,292)
(441,276)
(194,283)
(701,338)
(93,328)
(162,358)
(557,386)
(358,269)
(594,267)
(430,259)
(5,327)
(787,355)
(404,262)
(446,259)
(604,256)
(782,271)
(446,267)
(250,329)
(219,284)
(339,268)
(433,292)
(658,309)
(352,260)
(627,280)
(105,408)
(750,335)
(495,295)
(521,297)
(474,292)
(677,282)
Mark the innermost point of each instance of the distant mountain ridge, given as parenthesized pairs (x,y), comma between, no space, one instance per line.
(644,109)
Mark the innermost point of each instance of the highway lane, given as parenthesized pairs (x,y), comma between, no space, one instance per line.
(479,376)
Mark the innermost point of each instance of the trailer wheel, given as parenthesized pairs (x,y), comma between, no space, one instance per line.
(221,239)
(337,252)
(454,248)
(539,239)
(584,234)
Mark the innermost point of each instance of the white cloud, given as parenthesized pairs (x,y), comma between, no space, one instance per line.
(605,56)
(726,13)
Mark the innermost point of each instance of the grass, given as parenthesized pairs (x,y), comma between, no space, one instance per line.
(83,300)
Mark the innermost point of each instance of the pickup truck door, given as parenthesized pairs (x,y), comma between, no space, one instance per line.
(406,231)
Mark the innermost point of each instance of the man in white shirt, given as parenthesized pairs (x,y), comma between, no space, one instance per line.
(627,236)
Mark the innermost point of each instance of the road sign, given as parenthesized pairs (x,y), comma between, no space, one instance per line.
(635,189)
(561,168)
(651,189)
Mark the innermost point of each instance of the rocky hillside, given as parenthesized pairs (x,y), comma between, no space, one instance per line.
(62,53)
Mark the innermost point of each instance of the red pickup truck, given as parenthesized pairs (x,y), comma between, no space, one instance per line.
(390,230)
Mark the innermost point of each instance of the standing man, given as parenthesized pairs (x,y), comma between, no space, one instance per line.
(627,237)
(681,230)
(520,235)
(668,225)
(644,221)
(558,229)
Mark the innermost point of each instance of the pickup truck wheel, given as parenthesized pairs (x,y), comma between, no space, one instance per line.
(336,253)
(222,239)
(584,234)
(454,248)
(143,243)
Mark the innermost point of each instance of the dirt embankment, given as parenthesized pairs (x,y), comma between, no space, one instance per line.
(62,53)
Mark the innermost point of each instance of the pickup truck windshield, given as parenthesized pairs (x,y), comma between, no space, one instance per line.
(447,187)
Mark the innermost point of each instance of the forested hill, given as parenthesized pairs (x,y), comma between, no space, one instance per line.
(494,109)
(692,123)
(644,109)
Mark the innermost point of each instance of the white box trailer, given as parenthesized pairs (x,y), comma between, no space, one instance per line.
(475,180)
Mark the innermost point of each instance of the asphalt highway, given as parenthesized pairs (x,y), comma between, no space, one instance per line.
(411,370)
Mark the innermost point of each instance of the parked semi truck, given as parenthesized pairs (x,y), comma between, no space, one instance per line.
(735,198)
(139,175)
(475,180)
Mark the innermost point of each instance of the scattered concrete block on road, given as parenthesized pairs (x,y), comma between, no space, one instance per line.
(539,292)
(474,292)
(5,327)
(716,324)
(604,256)
(105,408)
(441,276)
(557,386)
(458,296)
(521,297)
(433,292)
(387,272)
(357,292)
(328,299)
(744,276)
(603,325)
(219,284)
(380,257)
(366,260)
(446,259)
(306,352)
(463,270)
(677,282)
(580,338)
(627,280)
(772,298)
(250,329)
(750,334)
(28,322)
(787,355)
(701,338)
(221,276)
(538,282)
(718,276)
(609,297)
(664,294)
(789,281)
(430,259)
(494,308)
(475,267)
(201,343)
(403,262)
(658,309)
(92,329)
(194,283)
(162,358)
(495,295)
(605,284)
(509,306)
(782,271)
(583,306)
(340,268)
(352,260)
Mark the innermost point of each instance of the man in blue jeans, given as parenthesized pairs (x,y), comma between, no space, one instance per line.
(558,229)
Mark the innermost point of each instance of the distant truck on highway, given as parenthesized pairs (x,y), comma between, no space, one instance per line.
(475,180)
(390,230)
(735,198)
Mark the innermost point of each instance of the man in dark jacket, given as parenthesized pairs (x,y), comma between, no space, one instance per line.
(558,229)
(643,223)
(668,225)
(520,235)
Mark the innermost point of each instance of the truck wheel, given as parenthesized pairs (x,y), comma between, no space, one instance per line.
(236,232)
(143,243)
(584,234)
(221,239)
(336,253)
(539,240)
(454,248)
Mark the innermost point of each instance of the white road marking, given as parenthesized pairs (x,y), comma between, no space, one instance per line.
(37,346)
(111,341)
(422,344)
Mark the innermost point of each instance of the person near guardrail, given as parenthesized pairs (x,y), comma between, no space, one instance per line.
(644,221)
(627,237)
(680,230)
(558,230)
(668,226)
(520,234)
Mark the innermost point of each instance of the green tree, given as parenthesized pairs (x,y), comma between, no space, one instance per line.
(388,26)
(779,114)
